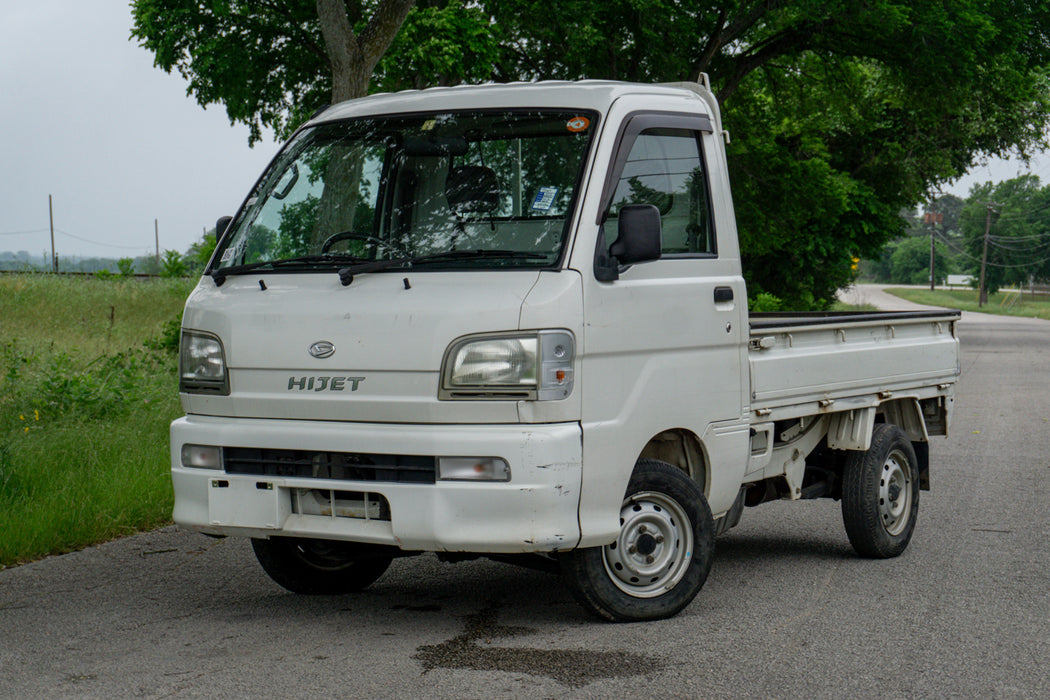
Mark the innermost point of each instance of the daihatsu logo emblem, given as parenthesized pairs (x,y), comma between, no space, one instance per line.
(322,349)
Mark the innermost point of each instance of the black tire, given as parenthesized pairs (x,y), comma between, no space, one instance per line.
(320,567)
(880,494)
(662,556)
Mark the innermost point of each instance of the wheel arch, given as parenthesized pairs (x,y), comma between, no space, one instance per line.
(680,448)
(908,415)
(852,430)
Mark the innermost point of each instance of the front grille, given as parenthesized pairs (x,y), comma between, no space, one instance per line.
(346,466)
(358,505)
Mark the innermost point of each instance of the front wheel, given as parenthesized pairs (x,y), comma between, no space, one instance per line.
(660,558)
(880,494)
(320,567)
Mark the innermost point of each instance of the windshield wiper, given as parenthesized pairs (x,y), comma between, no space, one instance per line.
(220,275)
(346,274)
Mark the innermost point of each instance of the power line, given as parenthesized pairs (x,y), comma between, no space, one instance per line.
(107,245)
(72,235)
(946,241)
(22,233)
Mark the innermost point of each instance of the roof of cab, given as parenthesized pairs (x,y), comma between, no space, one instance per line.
(584,94)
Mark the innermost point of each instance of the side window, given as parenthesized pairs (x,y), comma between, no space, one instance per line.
(665,168)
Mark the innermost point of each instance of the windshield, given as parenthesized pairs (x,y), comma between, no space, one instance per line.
(419,189)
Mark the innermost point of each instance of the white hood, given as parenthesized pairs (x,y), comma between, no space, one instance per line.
(389,341)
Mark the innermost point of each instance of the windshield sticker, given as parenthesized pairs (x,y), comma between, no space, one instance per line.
(544,199)
(578,124)
(236,251)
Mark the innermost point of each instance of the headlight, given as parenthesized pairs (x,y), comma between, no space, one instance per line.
(531,366)
(202,364)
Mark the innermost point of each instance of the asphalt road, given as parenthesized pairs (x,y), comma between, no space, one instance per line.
(788,611)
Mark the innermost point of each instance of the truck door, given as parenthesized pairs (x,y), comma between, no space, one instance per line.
(664,343)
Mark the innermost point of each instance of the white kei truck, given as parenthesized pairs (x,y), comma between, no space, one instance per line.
(509,321)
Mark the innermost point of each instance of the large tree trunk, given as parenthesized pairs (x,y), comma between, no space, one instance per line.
(351,57)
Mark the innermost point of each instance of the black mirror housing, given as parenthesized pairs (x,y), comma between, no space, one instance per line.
(639,238)
(221,225)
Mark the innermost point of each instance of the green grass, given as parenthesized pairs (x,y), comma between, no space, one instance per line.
(84,410)
(1003,302)
(87,314)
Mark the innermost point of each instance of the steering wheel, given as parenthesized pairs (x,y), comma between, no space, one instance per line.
(355,236)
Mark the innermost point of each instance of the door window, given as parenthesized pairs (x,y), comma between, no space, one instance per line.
(665,168)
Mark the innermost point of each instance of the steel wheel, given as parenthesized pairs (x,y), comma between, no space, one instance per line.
(661,556)
(880,494)
(652,553)
(895,489)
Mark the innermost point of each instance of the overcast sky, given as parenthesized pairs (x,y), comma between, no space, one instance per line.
(86,118)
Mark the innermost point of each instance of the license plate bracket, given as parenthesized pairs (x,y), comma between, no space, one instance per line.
(239,502)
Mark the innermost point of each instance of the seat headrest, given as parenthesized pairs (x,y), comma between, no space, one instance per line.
(472,189)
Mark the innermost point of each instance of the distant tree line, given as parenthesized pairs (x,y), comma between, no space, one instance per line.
(172,263)
(1006,224)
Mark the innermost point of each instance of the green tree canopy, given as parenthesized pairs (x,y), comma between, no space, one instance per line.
(270,63)
(1016,215)
(910,262)
(842,112)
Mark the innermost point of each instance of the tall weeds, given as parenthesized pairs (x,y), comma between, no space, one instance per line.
(87,391)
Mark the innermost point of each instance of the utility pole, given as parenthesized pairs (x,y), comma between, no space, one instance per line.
(156,240)
(51,217)
(933,218)
(982,295)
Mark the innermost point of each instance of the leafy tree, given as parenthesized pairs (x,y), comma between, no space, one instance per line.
(910,262)
(271,63)
(298,223)
(442,42)
(199,253)
(1016,215)
(843,112)
(172,264)
(126,267)
(147,264)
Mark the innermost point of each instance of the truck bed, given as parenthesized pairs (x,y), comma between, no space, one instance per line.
(808,363)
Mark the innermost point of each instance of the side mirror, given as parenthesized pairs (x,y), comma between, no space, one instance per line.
(638,239)
(221,225)
(638,236)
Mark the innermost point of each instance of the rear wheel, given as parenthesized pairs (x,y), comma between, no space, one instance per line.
(321,567)
(880,494)
(660,558)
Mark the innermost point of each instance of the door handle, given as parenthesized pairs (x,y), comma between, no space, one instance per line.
(723,294)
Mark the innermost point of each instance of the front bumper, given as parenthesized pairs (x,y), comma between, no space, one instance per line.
(536,511)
